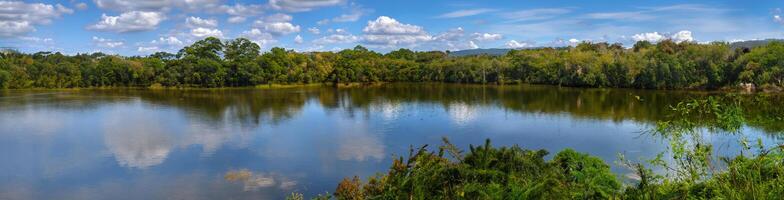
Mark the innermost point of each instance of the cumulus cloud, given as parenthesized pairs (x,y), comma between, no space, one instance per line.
(516,45)
(240,12)
(452,39)
(81,6)
(650,37)
(194,22)
(349,17)
(314,30)
(160,44)
(37,39)
(680,36)
(107,43)
(156,5)
(146,49)
(472,45)
(131,5)
(337,38)
(487,36)
(201,28)
(19,18)
(451,35)
(171,40)
(465,13)
(298,39)
(202,32)
(281,28)
(259,37)
(353,15)
(277,24)
(386,31)
(278,17)
(133,21)
(302,5)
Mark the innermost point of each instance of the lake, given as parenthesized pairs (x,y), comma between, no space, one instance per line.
(267,143)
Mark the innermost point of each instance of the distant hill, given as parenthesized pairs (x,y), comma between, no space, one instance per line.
(471,52)
(752,43)
(501,51)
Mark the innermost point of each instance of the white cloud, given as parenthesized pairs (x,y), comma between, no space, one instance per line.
(680,36)
(338,38)
(202,32)
(535,14)
(387,25)
(472,45)
(240,12)
(18,18)
(259,37)
(487,36)
(194,22)
(574,41)
(302,5)
(201,28)
(516,45)
(650,37)
(349,17)
(281,28)
(298,39)
(170,43)
(278,17)
(133,21)
(451,35)
(323,22)
(314,30)
(81,6)
(150,49)
(171,40)
(236,19)
(135,5)
(353,15)
(778,19)
(452,39)
(465,13)
(107,43)
(386,31)
(37,39)
(157,5)
(627,16)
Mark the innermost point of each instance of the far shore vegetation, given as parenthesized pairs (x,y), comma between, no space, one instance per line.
(213,63)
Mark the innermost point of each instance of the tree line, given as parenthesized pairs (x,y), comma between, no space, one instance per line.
(239,62)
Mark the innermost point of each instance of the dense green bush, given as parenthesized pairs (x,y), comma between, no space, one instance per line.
(693,172)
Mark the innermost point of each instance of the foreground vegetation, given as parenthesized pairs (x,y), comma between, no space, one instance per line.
(693,172)
(215,63)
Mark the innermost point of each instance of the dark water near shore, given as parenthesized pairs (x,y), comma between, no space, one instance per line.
(180,144)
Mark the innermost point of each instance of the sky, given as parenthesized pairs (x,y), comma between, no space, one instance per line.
(142,27)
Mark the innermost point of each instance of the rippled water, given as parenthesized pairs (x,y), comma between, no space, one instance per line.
(267,143)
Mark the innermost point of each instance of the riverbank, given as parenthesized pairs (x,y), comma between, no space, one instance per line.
(770,89)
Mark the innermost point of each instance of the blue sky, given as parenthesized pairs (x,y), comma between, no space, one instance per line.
(141,27)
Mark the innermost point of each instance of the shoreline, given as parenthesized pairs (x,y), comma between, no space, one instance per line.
(768,89)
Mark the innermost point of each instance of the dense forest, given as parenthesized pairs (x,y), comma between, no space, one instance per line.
(214,63)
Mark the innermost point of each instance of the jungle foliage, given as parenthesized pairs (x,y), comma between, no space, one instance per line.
(239,62)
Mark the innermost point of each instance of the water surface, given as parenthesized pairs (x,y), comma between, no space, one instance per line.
(267,143)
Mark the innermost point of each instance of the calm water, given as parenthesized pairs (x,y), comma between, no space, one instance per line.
(182,144)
